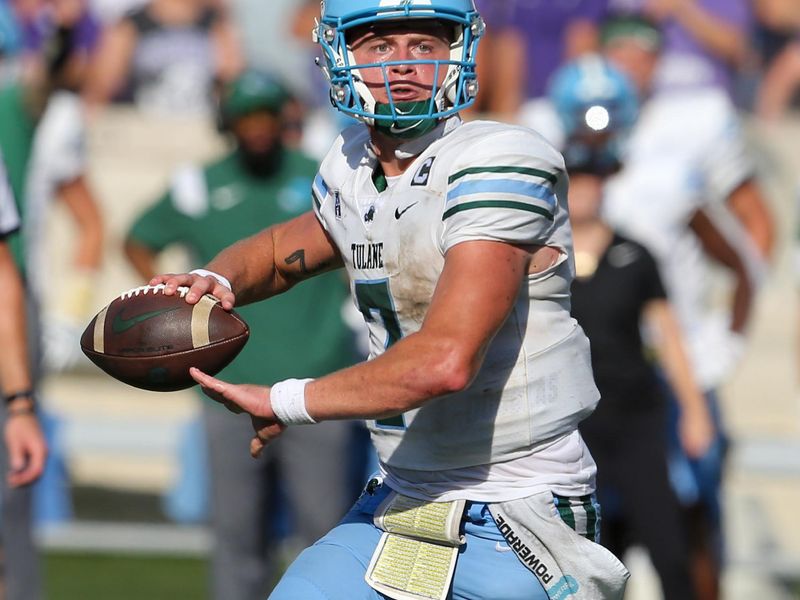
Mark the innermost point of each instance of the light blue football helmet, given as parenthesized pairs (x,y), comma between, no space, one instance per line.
(597,106)
(351,96)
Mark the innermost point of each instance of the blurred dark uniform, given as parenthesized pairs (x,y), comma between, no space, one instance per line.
(627,433)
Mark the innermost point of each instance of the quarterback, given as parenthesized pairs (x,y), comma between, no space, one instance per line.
(456,240)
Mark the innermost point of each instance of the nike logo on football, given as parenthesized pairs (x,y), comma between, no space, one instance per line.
(120,324)
(502,547)
(399,213)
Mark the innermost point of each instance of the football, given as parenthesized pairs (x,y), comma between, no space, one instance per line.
(149,340)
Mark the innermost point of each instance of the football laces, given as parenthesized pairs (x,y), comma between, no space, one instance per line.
(145,289)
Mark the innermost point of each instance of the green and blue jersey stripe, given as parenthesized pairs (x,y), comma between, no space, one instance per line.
(522,193)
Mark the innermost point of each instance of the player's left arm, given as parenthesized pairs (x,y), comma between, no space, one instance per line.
(748,205)
(263,265)
(23,436)
(718,247)
(80,202)
(476,291)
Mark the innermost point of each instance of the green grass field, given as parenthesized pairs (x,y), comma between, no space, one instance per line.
(72,576)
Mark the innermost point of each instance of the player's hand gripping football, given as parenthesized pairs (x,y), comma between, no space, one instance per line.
(198,286)
(239,398)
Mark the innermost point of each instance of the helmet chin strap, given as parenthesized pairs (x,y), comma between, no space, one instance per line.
(407,128)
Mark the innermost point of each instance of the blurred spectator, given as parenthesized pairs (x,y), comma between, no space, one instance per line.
(617,287)
(62,37)
(56,32)
(688,159)
(777,23)
(529,40)
(705,41)
(10,45)
(259,183)
(781,83)
(323,122)
(169,54)
(111,11)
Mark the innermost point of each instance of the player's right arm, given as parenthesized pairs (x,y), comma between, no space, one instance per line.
(23,437)
(262,265)
(695,424)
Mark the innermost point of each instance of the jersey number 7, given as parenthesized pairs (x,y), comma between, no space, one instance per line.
(375,301)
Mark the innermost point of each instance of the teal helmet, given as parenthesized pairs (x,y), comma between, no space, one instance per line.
(252,91)
(350,94)
(597,106)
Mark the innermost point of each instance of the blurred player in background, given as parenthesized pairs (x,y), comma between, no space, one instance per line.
(66,36)
(617,289)
(259,183)
(687,158)
(529,41)
(23,451)
(41,138)
(456,239)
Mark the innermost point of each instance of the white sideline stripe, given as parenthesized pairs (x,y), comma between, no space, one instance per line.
(99,331)
(200,319)
(126,538)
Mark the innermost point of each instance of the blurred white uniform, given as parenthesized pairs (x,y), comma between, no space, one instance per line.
(685,153)
(513,431)
(58,157)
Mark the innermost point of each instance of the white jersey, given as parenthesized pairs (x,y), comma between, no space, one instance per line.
(685,153)
(58,157)
(474,181)
(9,217)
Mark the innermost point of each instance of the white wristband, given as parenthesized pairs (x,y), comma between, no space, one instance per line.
(205,273)
(288,400)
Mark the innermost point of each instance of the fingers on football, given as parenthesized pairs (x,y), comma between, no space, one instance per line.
(198,287)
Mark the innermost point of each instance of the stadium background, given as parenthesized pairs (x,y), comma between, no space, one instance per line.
(120,448)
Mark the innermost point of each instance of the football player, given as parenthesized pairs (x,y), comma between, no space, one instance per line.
(687,156)
(457,243)
(23,449)
(618,288)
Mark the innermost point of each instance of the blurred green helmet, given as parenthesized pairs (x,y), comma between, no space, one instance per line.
(252,91)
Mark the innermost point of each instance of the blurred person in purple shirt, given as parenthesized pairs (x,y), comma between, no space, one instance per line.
(168,55)
(705,41)
(530,40)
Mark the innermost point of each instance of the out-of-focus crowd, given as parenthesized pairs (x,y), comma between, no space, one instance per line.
(686,190)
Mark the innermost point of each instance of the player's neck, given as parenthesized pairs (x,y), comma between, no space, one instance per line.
(385,151)
(592,236)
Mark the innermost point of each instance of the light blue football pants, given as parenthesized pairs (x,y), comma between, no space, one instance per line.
(334,567)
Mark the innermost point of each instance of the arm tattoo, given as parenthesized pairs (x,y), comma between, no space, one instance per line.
(306,270)
(298,255)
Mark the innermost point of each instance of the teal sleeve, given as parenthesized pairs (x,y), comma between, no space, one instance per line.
(160,225)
